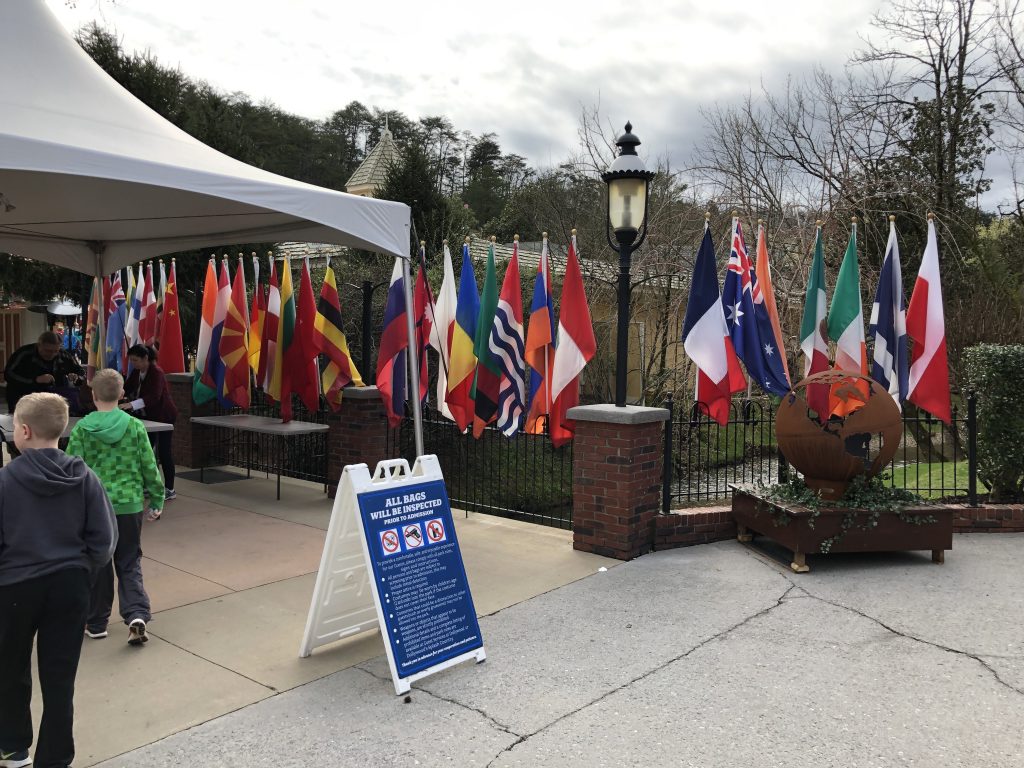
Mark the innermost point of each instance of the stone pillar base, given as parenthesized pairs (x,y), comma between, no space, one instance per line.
(616,478)
(358,433)
(189,441)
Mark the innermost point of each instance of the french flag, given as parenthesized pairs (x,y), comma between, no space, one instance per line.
(394,344)
(506,345)
(575,347)
(706,338)
(926,325)
(888,324)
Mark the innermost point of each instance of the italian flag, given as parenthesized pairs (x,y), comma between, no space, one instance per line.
(813,343)
(846,328)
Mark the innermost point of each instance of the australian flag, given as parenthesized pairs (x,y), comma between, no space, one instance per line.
(888,326)
(747,319)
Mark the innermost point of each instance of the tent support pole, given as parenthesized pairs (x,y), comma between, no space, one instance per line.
(412,357)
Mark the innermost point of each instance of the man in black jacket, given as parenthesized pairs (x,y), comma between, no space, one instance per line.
(40,367)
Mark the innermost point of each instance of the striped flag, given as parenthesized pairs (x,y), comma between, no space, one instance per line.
(813,329)
(161,294)
(330,341)
(270,321)
(888,325)
(256,314)
(172,354)
(846,328)
(463,362)
(706,338)
(540,345)
(285,338)
(138,299)
(147,320)
(926,325)
(506,347)
(488,372)
(443,330)
(233,349)
(201,391)
(94,330)
(574,348)
(391,354)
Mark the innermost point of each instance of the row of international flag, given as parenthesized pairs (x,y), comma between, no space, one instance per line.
(741,323)
(274,340)
(489,370)
(125,311)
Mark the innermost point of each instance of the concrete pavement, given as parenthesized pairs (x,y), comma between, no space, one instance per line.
(708,656)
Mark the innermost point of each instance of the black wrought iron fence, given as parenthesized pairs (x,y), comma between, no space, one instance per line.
(703,458)
(303,457)
(522,478)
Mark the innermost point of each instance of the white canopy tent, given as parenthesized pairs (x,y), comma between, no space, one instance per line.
(93,180)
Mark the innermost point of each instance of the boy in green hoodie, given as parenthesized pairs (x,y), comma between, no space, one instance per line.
(116,447)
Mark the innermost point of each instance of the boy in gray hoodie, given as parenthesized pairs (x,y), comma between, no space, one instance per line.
(57,529)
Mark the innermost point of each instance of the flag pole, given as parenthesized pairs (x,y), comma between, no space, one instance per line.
(412,357)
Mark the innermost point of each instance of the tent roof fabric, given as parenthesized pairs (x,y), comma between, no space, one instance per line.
(97,180)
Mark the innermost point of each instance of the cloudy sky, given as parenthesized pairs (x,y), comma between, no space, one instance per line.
(522,70)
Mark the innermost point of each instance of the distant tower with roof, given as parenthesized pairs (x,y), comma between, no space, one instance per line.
(372,172)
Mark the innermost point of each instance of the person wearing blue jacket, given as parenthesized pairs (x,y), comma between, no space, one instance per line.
(57,529)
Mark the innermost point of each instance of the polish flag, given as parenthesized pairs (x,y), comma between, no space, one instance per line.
(926,326)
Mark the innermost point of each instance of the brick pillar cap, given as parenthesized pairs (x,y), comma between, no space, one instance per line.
(180,378)
(368,392)
(612,414)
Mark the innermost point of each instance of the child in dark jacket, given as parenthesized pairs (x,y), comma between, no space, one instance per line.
(57,529)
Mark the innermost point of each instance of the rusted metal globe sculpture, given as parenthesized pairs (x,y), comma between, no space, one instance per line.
(831,450)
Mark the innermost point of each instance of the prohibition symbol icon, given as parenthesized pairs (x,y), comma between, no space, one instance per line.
(389,541)
(435,531)
(413,537)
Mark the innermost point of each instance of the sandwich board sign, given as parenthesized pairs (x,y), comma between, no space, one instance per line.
(392,561)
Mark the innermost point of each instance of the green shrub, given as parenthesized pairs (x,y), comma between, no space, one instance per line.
(996,373)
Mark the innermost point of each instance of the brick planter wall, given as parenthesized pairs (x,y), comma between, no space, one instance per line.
(701,525)
(616,478)
(188,443)
(995,518)
(357,434)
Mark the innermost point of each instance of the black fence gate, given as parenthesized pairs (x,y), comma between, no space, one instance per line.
(522,478)
(703,458)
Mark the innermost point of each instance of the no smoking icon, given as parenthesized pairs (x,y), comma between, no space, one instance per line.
(389,541)
(435,531)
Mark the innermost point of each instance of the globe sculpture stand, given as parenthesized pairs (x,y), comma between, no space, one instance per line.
(830,450)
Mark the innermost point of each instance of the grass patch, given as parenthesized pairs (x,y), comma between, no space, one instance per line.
(945,479)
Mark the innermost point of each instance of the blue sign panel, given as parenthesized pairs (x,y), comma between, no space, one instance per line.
(421,581)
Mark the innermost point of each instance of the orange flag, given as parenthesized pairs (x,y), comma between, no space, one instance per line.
(234,345)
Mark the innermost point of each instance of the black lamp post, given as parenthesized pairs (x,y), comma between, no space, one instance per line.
(628,182)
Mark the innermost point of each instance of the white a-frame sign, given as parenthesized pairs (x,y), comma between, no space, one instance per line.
(392,560)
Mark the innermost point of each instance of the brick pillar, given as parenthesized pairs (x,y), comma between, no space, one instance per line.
(616,478)
(358,433)
(189,441)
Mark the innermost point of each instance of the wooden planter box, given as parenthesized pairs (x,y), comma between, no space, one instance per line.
(798,529)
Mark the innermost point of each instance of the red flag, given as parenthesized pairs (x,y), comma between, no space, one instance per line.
(234,349)
(301,373)
(393,349)
(172,357)
(926,325)
(268,341)
(423,315)
(575,347)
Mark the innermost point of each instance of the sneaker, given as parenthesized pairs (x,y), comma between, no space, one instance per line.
(17,759)
(137,632)
(169,494)
(96,634)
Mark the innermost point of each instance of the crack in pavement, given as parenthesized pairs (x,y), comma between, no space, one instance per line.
(948,649)
(718,636)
